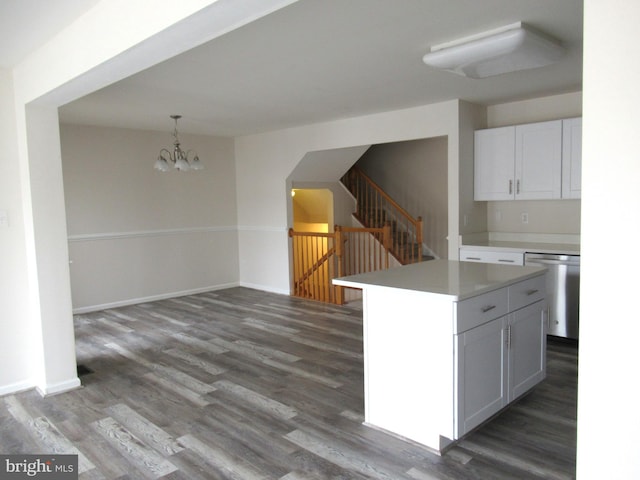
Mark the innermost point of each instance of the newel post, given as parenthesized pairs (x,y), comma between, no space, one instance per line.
(419,237)
(340,261)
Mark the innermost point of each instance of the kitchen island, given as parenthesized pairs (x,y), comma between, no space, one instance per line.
(449,344)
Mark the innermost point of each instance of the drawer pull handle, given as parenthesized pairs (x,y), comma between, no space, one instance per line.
(488,308)
(474,258)
(506,260)
(531,292)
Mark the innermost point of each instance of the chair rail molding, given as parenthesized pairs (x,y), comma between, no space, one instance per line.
(84,237)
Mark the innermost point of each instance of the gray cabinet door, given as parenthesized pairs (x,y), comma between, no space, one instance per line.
(481,374)
(527,345)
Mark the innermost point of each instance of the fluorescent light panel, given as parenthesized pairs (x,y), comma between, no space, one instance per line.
(508,49)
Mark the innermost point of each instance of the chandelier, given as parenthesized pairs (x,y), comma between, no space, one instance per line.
(177,159)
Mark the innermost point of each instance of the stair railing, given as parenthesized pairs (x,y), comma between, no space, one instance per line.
(318,258)
(375,208)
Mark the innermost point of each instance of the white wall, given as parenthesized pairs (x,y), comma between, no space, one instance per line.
(53,344)
(414,174)
(100,47)
(265,161)
(608,440)
(15,372)
(137,234)
(473,215)
(545,216)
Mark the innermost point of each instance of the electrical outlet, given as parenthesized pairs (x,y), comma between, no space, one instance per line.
(465,220)
(524,217)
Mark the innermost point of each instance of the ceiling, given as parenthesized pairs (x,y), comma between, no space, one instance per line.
(321,60)
(27,24)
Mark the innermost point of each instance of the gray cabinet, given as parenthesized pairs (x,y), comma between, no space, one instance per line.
(527,345)
(500,359)
(482,374)
(448,345)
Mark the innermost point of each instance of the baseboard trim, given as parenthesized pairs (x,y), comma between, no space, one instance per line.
(60,387)
(264,288)
(152,298)
(16,387)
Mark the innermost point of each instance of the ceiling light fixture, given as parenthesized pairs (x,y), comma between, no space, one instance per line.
(508,49)
(179,159)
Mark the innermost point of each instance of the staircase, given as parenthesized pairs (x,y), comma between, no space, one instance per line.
(318,258)
(388,231)
(375,209)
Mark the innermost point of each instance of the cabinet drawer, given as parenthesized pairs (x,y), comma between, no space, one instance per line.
(478,310)
(488,256)
(525,293)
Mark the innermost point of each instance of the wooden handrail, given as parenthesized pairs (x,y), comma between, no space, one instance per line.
(375,207)
(358,171)
(318,258)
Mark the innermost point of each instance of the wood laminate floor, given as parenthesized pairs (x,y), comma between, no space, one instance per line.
(243,384)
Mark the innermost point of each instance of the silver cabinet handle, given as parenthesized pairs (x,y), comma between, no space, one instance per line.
(504,260)
(544,261)
(488,308)
(531,292)
(510,186)
(473,258)
(518,187)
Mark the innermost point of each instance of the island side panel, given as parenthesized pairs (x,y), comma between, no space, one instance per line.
(408,360)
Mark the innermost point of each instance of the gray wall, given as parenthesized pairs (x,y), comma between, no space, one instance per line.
(136,234)
(414,174)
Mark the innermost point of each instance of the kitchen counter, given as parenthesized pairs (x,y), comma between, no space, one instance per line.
(522,247)
(456,280)
(449,344)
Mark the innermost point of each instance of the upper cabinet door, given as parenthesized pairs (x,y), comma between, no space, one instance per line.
(571,157)
(493,165)
(538,161)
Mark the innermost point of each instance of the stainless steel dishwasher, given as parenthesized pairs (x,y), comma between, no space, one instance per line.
(563,290)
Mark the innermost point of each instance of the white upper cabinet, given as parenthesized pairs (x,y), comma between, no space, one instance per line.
(571,157)
(494,164)
(538,161)
(527,162)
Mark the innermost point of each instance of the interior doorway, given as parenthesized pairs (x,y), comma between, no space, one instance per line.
(312,210)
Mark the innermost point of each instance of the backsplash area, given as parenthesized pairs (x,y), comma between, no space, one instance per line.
(534,217)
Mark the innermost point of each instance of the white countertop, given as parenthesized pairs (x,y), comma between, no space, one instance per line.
(458,280)
(522,247)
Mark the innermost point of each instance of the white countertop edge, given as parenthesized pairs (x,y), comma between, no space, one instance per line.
(524,247)
(554,243)
(562,238)
(380,281)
